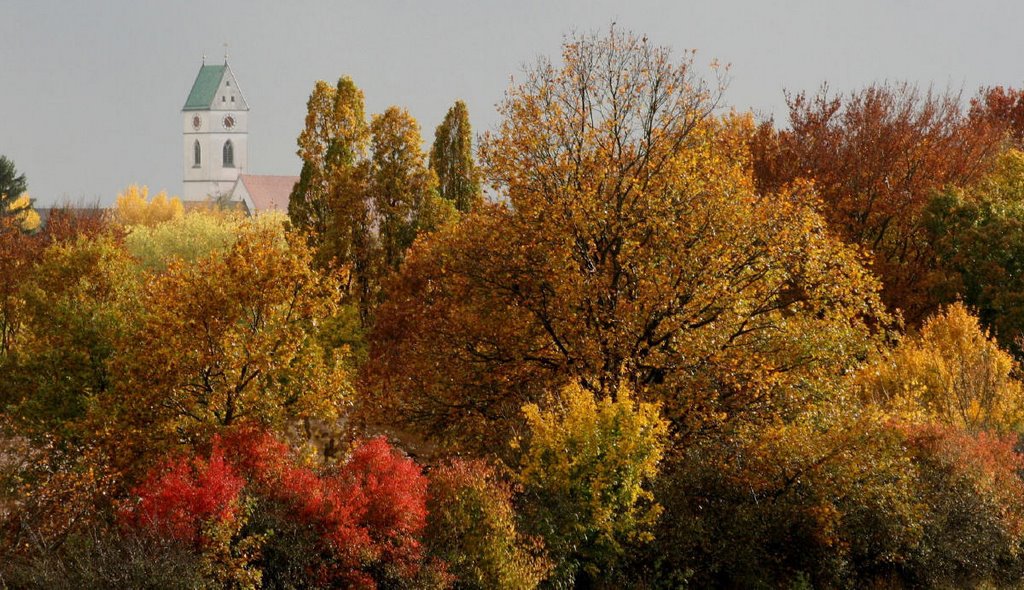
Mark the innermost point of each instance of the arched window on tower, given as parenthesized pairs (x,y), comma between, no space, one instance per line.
(229,154)
(197,155)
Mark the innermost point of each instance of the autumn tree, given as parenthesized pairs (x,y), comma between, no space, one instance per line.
(954,372)
(845,495)
(230,337)
(977,232)
(472,526)
(1001,109)
(827,496)
(24,213)
(18,251)
(71,308)
(135,208)
(402,189)
(190,237)
(327,201)
(876,157)
(973,526)
(74,308)
(68,223)
(451,158)
(633,250)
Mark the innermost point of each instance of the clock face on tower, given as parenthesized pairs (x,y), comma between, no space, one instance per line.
(196,122)
(228,121)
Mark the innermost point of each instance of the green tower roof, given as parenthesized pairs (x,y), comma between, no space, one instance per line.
(205,88)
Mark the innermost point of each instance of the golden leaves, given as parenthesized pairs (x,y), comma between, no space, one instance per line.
(229,338)
(633,250)
(953,372)
(133,208)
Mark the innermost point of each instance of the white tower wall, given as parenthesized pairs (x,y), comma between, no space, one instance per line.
(216,113)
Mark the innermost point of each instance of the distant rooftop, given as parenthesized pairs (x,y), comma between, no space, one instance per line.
(267,192)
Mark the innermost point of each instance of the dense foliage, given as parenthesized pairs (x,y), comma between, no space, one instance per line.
(677,348)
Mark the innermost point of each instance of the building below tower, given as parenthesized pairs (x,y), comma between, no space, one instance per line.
(262,193)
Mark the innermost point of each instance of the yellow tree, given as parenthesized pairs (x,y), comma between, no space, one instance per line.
(587,470)
(188,238)
(633,250)
(23,212)
(135,208)
(229,338)
(953,371)
(401,187)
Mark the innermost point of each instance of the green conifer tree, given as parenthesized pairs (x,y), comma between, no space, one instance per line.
(451,158)
(12,184)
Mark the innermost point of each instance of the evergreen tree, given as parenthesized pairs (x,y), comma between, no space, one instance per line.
(12,184)
(451,158)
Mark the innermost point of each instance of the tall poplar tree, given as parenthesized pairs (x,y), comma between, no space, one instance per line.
(451,158)
(332,146)
(401,185)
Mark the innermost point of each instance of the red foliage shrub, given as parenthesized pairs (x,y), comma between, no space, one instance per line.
(390,493)
(180,498)
(366,517)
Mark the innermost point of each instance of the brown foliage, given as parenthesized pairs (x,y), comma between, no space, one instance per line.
(876,156)
(1001,109)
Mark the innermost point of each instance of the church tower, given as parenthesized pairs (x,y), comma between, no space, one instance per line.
(216,133)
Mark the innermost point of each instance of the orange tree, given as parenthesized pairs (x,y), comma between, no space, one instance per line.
(632,249)
(1000,109)
(876,157)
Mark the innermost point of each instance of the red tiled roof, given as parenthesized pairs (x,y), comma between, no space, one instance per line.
(269,193)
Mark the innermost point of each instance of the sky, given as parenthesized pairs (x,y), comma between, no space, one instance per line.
(91,92)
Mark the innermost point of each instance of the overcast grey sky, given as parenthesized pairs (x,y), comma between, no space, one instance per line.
(91,92)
